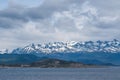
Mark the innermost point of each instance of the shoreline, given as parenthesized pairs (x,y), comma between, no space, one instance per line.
(60,67)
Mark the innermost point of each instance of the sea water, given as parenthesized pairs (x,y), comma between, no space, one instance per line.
(108,73)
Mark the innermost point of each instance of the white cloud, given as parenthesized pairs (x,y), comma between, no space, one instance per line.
(77,22)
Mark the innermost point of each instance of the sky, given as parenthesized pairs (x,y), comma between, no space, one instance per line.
(23,22)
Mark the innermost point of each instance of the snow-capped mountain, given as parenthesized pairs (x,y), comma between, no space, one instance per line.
(88,52)
(3,51)
(71,47)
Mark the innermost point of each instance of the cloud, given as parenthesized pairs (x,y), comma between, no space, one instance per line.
(61,20)
(27,3)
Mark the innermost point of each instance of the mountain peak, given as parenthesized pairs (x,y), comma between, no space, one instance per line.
(4,51)
(71,46)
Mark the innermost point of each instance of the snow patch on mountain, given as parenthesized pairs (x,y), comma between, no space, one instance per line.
(71,47)
(3,51)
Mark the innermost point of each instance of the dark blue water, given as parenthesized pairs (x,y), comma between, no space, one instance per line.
(111,73)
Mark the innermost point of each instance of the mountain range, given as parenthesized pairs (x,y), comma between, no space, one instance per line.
(88,52)
(71,47)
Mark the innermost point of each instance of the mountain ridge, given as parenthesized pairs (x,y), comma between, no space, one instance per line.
(30,60)
(88,52)
(73,47)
